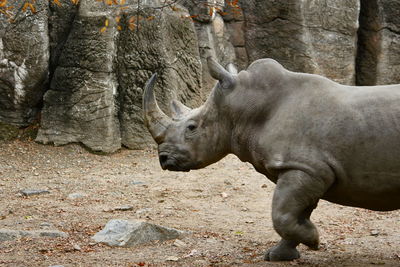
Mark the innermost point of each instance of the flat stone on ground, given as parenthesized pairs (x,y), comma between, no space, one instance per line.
(31,192)
(9,234)
(123,233)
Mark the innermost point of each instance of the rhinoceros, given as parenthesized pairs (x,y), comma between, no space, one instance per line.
(314,138)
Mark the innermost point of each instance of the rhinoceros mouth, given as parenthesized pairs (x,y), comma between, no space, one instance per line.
(172,164)
(174,167)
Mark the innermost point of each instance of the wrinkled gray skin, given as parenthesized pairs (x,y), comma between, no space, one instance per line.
(314,138)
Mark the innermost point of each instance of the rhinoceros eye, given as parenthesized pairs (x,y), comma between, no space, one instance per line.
(191,127)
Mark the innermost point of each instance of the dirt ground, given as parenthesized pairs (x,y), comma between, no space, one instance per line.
(226,206)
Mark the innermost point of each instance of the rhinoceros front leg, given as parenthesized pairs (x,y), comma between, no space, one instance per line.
(296,195)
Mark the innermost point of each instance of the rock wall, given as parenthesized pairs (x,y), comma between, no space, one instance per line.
(166,45)
(315,36)
(212,34)
(86,79)
(95,93)
(378,59)
(24,65)
(79,105)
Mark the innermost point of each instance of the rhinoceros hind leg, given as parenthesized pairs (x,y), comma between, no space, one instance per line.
(284,251)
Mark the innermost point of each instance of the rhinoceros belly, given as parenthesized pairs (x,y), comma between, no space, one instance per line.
(371,190)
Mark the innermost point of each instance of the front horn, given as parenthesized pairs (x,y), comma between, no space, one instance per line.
(154,119)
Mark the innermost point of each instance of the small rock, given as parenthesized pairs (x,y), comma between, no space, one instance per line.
(179,243)
(224,195)
(108,210)
(31,192)
(172,258)
(192,253)
(123,233)
(374,232)
(143,210)
(137,182)
(76,195)
(45,225)
(211,240)
(7,235)
(227,182)
(77,247)
(50,233)
(124,208)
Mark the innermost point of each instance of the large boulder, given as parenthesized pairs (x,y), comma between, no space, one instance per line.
(80,104)
(95,92)
(315,36)
(379,42)
(164,42)
(24,62)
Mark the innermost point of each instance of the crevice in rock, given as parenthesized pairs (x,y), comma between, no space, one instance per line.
(60,25)
(368,47)
(389,29)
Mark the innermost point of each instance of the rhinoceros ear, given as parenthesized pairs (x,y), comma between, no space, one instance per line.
(178,110)
(226,79)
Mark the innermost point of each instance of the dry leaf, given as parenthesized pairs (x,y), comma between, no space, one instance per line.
(3,3)
(32,8)
(211,11)
(25,7)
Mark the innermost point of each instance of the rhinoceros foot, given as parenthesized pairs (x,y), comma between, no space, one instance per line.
(283,251)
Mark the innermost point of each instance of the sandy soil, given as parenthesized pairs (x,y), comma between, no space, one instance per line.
(226,206)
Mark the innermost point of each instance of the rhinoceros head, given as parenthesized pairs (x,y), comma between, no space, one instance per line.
(192,138)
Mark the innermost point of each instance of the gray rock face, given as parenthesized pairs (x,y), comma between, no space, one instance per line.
(24,57)
(166,45)
(379,43)
(95,93)
(236,25)
(60,22)
(212,34)
(309,36)
(124,233)
(214,41)
(203,10)
(80,105)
